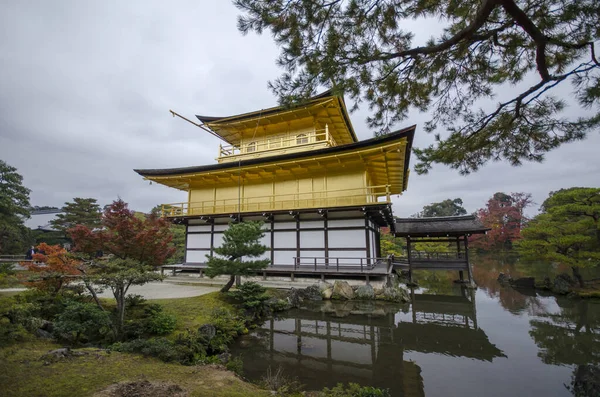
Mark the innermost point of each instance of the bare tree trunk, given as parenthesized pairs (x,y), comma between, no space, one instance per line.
(577,276)
(93,293)
(229,284)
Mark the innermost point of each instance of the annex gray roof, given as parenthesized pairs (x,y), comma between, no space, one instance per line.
(439,226)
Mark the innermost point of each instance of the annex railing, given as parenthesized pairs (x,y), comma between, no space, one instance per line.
(284,201)
(441,256)
(320,263)
(302,139)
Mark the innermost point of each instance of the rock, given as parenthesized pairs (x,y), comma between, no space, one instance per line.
(324,285)
(504,278)
(47,326)
(326,293)
(224,358)
(365,292)
(523,282)
(342,290)
(312,293)
(277,305)
(378,292)
(40,333)
(294,297)
(394,294)
(562,284)
(208,331)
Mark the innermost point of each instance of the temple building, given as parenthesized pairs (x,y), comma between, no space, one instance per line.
(322,194)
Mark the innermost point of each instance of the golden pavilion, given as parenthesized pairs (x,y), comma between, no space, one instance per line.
(322,194)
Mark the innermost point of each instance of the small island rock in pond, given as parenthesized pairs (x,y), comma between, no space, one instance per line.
(342,290)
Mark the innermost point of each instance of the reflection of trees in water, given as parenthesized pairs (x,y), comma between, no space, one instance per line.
(570,337)
(485,272)
(585,381)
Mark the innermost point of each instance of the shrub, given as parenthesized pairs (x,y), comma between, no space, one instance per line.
(82,320)
(134,300)
(252,297)
(160,348)
(278,382)
(236,365)
(158,322)
(354,390)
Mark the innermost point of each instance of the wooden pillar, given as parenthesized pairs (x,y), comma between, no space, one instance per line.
(471,281)
(461,275)
(408,250)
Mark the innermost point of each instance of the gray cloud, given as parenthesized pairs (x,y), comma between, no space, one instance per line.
(86,87)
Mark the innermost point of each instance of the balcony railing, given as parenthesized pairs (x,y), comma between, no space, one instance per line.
(286,201)
(302,140)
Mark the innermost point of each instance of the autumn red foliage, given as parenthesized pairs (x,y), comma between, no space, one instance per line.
(146,239)
(52,265)
(504,215)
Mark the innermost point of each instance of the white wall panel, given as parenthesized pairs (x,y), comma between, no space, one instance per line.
(311,224)
(218,240)
(198,241)
(312,239)
(346,222)
(285,225)
(313,254)
(285,240)
(196,256)
(347,258)
(266,239)
(284,258)
(199,228)
(347,239)
(220,228)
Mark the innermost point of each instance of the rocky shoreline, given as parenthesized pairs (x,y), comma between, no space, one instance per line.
(562,284)
(342,291)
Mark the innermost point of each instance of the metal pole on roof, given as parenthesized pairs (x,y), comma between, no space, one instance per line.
(196,124)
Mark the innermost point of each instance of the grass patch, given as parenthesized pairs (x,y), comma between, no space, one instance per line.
(22,373)
(193,312)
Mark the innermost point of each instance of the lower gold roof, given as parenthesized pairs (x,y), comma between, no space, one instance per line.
(386,160)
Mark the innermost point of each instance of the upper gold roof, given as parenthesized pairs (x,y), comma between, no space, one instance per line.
(324,109)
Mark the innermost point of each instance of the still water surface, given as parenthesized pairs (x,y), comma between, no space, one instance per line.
(447,341)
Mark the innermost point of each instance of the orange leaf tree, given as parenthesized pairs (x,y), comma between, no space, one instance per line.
(53,268)
(135,246)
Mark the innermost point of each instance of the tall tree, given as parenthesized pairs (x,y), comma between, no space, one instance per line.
(240,242)
(567,231)
(14,209)
(137,245)
(361,48)
(448,207)
(504,215)
(82,211)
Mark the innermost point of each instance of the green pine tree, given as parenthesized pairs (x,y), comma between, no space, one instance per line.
(14,209)
(567,231)
(516,50)
(240,241)
(82,211)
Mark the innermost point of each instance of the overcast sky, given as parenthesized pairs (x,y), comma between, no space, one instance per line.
(86,88)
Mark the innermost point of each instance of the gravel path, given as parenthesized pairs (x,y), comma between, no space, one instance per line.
(165,291)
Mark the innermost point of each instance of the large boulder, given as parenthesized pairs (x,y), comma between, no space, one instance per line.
(324,285)
(295,297)
(208,331)
(342,290)
(327,293)
(394,294)
(312,293)
(562,284)
(365,292)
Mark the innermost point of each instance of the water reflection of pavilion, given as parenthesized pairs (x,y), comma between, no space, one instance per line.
(367,344)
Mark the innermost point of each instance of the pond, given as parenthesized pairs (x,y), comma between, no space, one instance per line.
(448,341)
